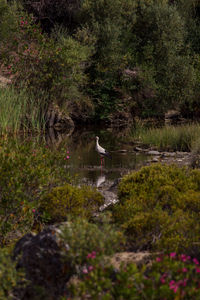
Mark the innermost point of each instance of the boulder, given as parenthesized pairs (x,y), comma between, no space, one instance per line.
(40,257)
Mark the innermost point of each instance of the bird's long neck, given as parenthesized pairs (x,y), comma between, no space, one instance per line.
(97,143)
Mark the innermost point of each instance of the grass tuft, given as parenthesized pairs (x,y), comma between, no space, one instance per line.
(169,138)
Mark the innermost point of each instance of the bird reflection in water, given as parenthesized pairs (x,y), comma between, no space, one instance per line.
(101,179)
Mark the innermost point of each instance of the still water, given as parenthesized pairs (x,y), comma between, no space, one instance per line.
(84,161)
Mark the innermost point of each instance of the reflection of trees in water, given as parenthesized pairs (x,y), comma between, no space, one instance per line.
(54,138)
(83,139)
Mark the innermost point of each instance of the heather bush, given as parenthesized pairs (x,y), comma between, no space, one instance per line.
(158,208)
(63,200)
(168,277)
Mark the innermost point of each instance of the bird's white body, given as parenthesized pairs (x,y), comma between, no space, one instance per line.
(100,149)
(102,152)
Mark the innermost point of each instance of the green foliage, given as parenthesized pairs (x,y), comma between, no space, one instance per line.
(19,112)
(159,207)
(173,276)
(169,277)
(172,138)
(68,199)
(103,282)
(9,276)
(26,172)
(87,244)
(84,56)
(52,65)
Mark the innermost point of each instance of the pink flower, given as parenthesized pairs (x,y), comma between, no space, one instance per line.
(195,261)
(90,268)
(172,282)
(172,254)
(175,289)
(185,282)
(184,257)
(158,259)
(197,270)
(162,280)
(173,286)
(91,255)
(67,156)
(184,270)
(33,210)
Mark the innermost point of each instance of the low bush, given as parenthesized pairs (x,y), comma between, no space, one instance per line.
(169,277)
(27,170)
(68,199)
(159,208)
(87,244)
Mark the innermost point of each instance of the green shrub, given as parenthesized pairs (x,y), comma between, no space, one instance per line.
(67,199)
(87,244)
(9,276)
(53,65)
(27,170)
(159,208)
(168,277)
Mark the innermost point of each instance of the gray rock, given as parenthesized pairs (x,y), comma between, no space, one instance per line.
(40,256)
(153,152)
(138,149)
(168,154)
(155,159)
(181,154)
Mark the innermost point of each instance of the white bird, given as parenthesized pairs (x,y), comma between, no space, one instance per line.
(102,152)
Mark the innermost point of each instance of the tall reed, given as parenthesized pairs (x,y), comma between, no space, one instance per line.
(175,138)
(19,111)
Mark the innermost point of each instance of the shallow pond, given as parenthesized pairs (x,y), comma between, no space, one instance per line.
(85,162)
